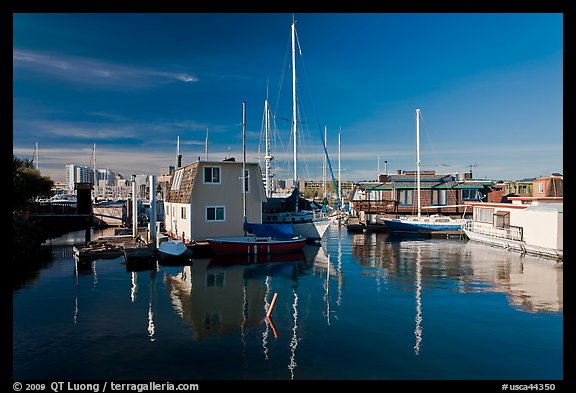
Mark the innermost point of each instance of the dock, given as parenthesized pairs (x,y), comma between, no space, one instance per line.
(110,247)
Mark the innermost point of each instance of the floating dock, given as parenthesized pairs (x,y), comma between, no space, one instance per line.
(110,247)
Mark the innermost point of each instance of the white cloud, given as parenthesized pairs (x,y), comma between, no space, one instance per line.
(93,71)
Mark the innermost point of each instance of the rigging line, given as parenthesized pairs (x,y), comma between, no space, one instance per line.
(433,151)
(282,73)
(320,129)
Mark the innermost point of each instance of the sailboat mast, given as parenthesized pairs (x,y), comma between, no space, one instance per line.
(294,104)
(324,164)
(206,146)
(418,160)
(339,172)
(267,156)
(244,160)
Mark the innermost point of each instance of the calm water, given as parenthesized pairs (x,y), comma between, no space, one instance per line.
(358,307)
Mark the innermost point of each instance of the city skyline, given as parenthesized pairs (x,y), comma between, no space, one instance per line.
(491,98)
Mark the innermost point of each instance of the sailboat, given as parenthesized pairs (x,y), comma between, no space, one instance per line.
(260,241)
(419,224)
(293,209)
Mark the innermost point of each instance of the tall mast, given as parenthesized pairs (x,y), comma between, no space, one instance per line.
(339,172)
(294,103)
(267,155)
(206,146)
(324,164)
(244,160)
(418,159)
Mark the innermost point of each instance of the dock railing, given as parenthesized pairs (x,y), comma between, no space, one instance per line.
(510,232)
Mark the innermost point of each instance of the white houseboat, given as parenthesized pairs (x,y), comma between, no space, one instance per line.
(532,225)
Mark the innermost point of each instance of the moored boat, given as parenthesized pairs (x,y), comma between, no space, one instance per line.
(255,245)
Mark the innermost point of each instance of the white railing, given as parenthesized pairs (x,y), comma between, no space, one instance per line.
(509,232)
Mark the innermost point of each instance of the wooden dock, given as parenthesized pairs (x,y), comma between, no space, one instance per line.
(110,247)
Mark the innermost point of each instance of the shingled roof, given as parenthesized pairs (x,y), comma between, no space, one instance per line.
(184,193)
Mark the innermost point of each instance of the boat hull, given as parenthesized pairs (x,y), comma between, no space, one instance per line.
(416,227)
(254,245)
(313,230)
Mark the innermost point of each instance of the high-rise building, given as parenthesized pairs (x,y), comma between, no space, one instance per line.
(77,174)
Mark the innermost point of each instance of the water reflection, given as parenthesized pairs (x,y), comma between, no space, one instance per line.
(532,284)
(216,297)
(418,328)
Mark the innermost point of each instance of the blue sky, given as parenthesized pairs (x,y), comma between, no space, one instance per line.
(489,86)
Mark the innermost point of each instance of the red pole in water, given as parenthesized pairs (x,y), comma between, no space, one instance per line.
(272,305)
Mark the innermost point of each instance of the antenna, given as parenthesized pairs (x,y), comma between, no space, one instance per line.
(474,165)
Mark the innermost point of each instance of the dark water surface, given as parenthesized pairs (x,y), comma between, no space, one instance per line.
(356,307)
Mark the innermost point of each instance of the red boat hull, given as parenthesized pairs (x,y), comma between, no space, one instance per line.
(251,246)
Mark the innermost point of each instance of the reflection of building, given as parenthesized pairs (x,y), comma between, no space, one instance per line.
(212,300)
(531,284)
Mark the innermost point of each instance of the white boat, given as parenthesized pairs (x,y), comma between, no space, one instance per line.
(305,222)
(536,228)
(422,225)
(172,250)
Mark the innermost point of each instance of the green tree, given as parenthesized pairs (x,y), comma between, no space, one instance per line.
(29,184)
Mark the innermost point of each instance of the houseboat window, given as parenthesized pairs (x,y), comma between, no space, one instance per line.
(215,279)
(438,197)
(405,197)
(469,194)
(501,219)
(177,180)
(212,174)
(183,212)
(541,188)
(483,214)
(215,213)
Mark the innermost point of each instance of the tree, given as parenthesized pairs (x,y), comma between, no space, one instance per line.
(29,184)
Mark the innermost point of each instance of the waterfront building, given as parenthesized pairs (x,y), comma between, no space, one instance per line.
(395,194)
(527,224)
(205,200)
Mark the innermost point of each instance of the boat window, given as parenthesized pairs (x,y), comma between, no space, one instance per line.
(483,214)
(501,219)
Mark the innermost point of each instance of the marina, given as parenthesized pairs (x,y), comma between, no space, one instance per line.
(395,304)
(273,245)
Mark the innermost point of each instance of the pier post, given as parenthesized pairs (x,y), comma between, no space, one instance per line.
(153,211)
(134,208)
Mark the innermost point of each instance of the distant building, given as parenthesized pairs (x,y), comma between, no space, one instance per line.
(78,174)
(551,186)
(397,194)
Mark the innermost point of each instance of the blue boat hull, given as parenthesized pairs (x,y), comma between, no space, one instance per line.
(396,225)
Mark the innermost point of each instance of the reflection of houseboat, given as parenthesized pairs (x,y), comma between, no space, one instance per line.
(532,284)
(529,225)
(219,299)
